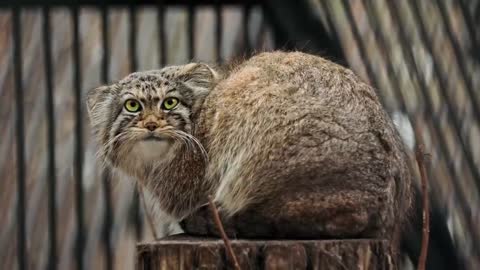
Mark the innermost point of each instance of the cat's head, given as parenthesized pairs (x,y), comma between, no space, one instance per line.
(142,119)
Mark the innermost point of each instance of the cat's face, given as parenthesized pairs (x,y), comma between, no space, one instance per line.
(142,119)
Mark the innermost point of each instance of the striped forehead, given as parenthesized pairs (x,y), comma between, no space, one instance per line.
(145,87)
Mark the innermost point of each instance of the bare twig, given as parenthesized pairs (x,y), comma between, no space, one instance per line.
(147,212)
(421,157)
(218,222)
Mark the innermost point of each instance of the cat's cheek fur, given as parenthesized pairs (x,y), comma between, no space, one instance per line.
(134,159)
(152,151)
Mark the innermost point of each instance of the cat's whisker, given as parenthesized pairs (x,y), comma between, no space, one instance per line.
(112,140)
(104,152)
(185,140)
(173,135)
(197,143)
(179,138)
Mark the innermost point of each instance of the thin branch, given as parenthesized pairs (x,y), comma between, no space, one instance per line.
(218,222)
(147,213)
(421,158)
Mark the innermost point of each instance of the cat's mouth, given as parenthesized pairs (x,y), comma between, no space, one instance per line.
(155,137)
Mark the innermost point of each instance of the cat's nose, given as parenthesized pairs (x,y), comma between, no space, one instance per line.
(151,126)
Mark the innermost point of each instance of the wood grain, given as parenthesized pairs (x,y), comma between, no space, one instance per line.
(184,252)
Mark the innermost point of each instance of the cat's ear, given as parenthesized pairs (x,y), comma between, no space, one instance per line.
(199,75)
(96,97)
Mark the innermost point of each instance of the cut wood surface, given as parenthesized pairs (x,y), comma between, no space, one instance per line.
(185,252)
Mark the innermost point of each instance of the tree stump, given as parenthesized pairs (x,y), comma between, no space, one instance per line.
(186,252)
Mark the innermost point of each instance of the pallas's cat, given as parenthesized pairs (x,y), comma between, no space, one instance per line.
(288,144)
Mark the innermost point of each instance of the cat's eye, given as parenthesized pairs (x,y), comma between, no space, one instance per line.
(132,105)
(170,103)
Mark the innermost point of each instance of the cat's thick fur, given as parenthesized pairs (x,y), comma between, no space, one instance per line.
(297,147)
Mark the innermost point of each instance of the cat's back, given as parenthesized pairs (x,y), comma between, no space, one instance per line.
(284,74)
(281,117)
(287,94)
(290,84)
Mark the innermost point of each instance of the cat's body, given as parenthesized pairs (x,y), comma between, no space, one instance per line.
(297,147)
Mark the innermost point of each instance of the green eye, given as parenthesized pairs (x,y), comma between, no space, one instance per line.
(132,105)
(170,103)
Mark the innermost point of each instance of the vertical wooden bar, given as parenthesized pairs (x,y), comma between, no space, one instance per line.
(108,215)
(132,37)
(162,42)
(20,143)
(218,31)
(78,152)
(50,112)
(191,32)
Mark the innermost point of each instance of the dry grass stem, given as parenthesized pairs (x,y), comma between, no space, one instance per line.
(219,224)
(421,158)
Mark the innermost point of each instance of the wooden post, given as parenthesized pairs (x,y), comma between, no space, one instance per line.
(185,252)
